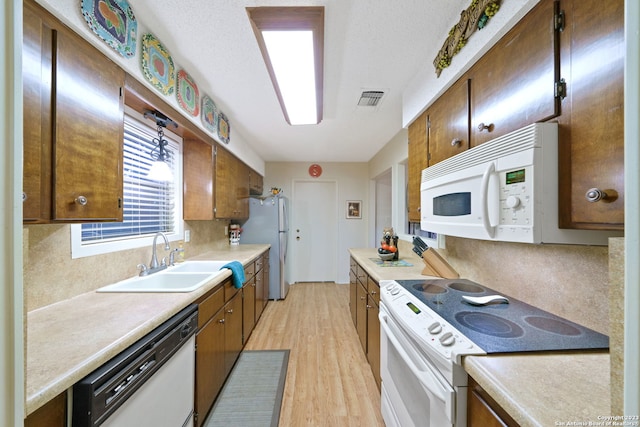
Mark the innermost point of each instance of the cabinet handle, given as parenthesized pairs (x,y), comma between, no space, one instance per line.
(595,195)
(488,127)
(368,306)
(81,200)
(362,298)
(455,142)
(24,196)
(373,292)
(221,321)
(230,311)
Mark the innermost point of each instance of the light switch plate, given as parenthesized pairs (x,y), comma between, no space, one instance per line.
(187,236)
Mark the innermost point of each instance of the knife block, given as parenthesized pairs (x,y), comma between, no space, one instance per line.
(435,265)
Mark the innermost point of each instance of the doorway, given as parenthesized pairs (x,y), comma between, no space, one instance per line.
(314,231)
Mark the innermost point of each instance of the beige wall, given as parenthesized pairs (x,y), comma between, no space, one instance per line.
(50,275)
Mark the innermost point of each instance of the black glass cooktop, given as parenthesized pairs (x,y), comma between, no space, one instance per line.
(500,327)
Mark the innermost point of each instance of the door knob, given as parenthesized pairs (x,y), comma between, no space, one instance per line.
(81,200)
(595,195)
(488,127)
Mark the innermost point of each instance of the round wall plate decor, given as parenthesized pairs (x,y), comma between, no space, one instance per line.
(315,170)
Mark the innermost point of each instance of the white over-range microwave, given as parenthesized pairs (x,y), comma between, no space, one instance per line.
(503,190)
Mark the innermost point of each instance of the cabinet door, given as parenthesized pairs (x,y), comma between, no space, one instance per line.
(513,85)
(260,293)
(231,194)
(210,365)
(353,296)
(232,331)
(448,123)
(248,308)
(592,121)
(37,51)
(243,173)
(361,315)
(88,132)
(197,159)
(417,162)
(373,339)
(483,411)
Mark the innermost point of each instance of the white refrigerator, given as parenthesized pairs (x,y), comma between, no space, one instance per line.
(268,223)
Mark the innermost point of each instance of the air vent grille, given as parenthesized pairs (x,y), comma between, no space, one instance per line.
(370,98)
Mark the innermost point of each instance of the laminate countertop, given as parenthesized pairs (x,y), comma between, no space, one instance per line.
(536,389)
(68,340)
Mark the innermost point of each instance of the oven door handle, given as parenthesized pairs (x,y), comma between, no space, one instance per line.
(427,379)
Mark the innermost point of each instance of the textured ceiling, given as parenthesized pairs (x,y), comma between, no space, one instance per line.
(368,45)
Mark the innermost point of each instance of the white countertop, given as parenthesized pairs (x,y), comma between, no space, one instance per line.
(68,340)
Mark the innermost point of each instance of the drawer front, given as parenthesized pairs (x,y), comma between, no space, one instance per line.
(249,271)
(210,305)
(230,290)
(373,288)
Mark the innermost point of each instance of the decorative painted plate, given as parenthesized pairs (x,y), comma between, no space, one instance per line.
(224,128)
(157,65)
(315,170)
(209,114)
(187,93)
(114,22)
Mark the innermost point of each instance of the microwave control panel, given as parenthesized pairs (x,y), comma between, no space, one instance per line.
(516,196)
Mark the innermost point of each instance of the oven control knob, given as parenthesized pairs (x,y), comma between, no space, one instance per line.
(513,202)
(447,339)
(395,291)
(435,328)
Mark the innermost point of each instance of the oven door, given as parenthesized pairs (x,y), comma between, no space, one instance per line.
(414,393)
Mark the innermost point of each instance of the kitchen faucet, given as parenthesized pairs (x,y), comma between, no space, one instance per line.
(154,266)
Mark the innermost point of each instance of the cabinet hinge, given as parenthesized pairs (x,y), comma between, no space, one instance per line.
(215,151)
(429,123)
(558,21)
(119,202)
(560,89)
(428,156)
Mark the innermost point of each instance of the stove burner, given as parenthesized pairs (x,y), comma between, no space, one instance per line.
(552,325)
(466,287)
(489,324)
(429,288)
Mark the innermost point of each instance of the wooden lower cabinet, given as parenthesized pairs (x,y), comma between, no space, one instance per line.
(483,411)
(364,299)
(249,292)
(218,345)
(52,414)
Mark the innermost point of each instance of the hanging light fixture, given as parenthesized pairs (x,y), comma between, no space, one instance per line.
(160,169)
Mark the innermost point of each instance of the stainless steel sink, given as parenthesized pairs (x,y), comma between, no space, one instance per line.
(166,281)
(198,267)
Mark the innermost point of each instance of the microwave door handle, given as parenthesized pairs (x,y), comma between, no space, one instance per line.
(484,200)
(426,377)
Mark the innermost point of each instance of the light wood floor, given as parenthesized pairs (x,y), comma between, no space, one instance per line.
(329,382)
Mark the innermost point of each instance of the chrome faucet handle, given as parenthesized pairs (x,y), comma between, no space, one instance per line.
(164,261)
(143,269)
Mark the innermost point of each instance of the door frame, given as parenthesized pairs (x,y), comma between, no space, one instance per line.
(292,219)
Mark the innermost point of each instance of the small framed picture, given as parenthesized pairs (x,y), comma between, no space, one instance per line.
(354,209)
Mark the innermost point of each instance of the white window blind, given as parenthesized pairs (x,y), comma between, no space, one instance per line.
(148,206)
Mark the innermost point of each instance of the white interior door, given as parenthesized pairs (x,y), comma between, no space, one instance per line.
(314,231)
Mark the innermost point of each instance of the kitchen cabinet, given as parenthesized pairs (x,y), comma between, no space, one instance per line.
(231,186)
(417,162)
(483,411)
(248,301)
(256,183)
(448,123)
(364,305)
(218,344)
(262,284)
(198,173)
(52,414)
(591,127)
(513,84)
(373,329)
(353,289)
(73,125)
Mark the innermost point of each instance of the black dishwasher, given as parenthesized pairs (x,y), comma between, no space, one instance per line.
(100,394)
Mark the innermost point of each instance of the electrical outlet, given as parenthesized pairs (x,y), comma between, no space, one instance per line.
(187,236)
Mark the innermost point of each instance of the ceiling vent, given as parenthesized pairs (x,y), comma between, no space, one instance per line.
(370,98)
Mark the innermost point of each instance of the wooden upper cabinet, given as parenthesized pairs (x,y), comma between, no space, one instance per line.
(37,50)
(88,132)
(74,125)
(417,162)
(448,123)
(592,121)
(231,186)
(256,183)
(513,85)
(197,169)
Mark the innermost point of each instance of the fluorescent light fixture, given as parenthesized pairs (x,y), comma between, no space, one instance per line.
(291,40)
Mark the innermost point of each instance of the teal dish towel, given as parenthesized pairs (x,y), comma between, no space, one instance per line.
(237,272)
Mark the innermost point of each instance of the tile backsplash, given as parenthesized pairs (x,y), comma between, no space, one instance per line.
(50,275)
